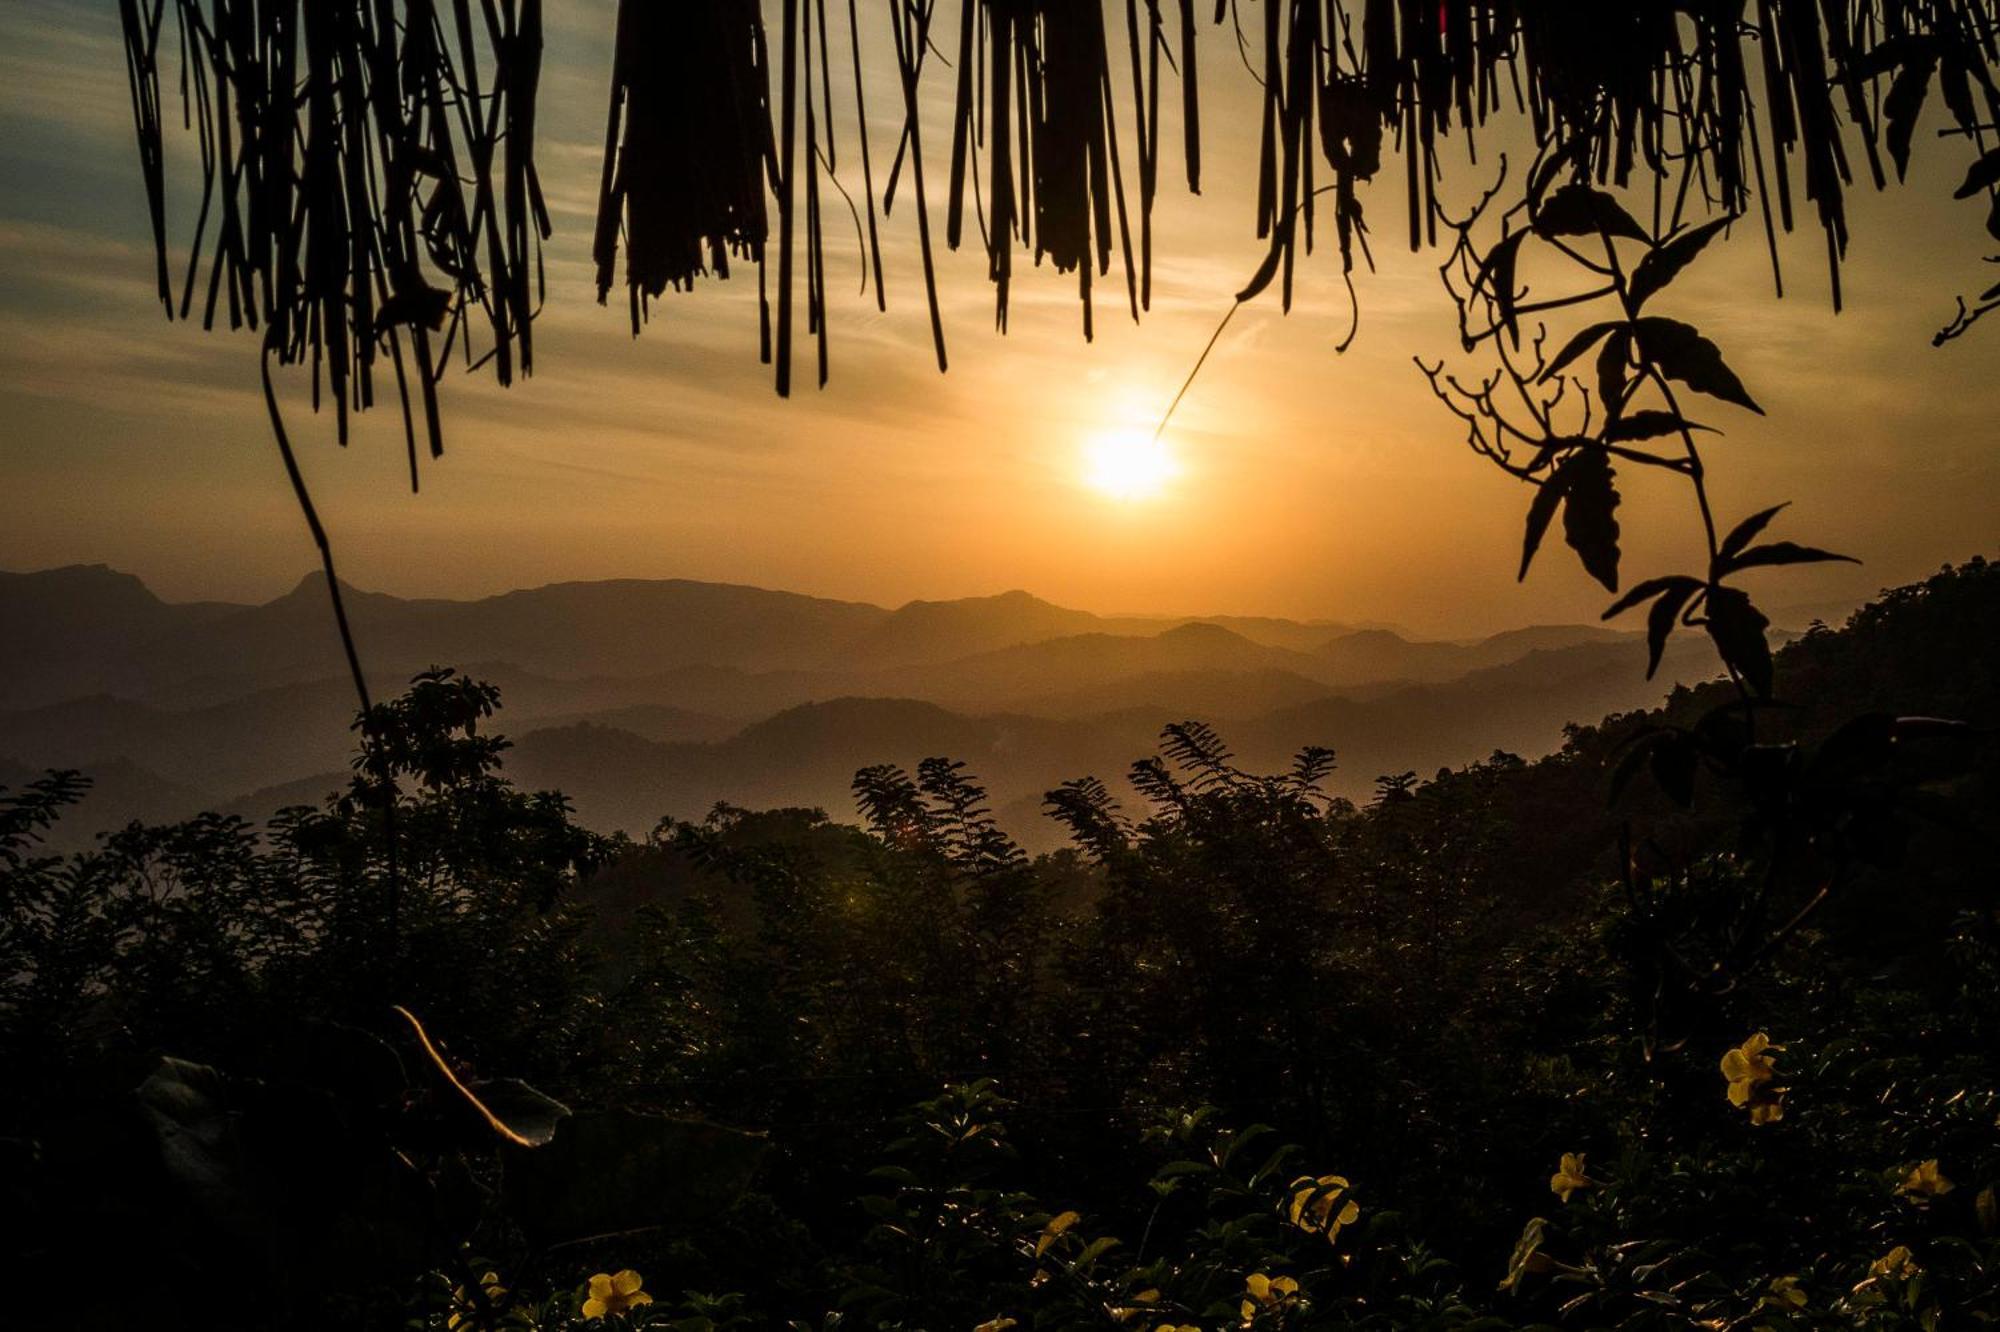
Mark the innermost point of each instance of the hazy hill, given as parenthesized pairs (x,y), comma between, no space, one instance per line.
(83,629)
(646,698)
(809,754)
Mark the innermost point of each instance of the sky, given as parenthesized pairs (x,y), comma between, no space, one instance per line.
(1300,481)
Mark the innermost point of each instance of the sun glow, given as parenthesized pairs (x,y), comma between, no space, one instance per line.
(1128,465)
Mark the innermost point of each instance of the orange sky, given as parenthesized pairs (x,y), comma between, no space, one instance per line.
(1308,484)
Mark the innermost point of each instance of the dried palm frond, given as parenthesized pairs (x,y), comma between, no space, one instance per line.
(368,189)
(368,183)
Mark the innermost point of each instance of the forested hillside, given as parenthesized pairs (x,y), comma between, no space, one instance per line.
(1680,1025)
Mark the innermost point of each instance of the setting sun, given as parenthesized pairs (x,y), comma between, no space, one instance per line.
(1128,465)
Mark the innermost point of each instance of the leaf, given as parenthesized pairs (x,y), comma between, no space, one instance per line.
(1611,365)
(1590,524)
(1265,272)
(530,1115)
(1682,353)
(1956,90)
(1496,277)
(1664,263)
(1904,103)
(1742,534)
(1782,552)
(1645,591)
(1579,210)
(612,1171)
(1572,149)
(1738,630)
(1981,175)
(1576,347)
(1646,425)
(1660,621)
(1548,495)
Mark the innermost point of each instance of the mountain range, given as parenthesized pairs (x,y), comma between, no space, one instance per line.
(646,698)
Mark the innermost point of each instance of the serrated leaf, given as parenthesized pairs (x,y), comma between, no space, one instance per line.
(1782,552)
(1744,532)
(1580,210)
(1548,495)
(1682,353)
(1904,103)
(1737,627)
(1576,347)
(1664,263)
(1648,424)
(1981,175)
(1590,503)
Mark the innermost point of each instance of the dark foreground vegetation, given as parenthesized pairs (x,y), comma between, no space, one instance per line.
(1486,1052)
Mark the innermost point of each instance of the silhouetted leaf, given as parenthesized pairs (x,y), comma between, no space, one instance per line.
(1683,353)
(1646,425)
(1781,552)
(1981,175)
(1644,591)
(1573,150)
(1662,265)
(1744,532)
(1738,630)
(1265,272)
(1956,90)
(1673,592)
(1590,502)
(1577,346)
(1496,278)
(1611,367)
(1547,496)
(1904,103)
(1660,620)
(1579,210)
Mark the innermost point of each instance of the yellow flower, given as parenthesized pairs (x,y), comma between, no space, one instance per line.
(617,1294)
(1751,1073)
(1896,1265)
(1528,1258)
(1176,1327)
(468,1311)
(1266,1292)
(1054,1230)
(996,1325)
(1322,1205)
(1569,1176)
(1924,1182)
(1785,1294)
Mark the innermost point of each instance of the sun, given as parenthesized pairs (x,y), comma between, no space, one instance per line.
(1128,465)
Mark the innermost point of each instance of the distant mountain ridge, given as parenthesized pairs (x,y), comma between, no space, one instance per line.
(642,698)
(84,630)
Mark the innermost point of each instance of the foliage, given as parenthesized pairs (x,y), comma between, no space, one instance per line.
(1249,1056)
